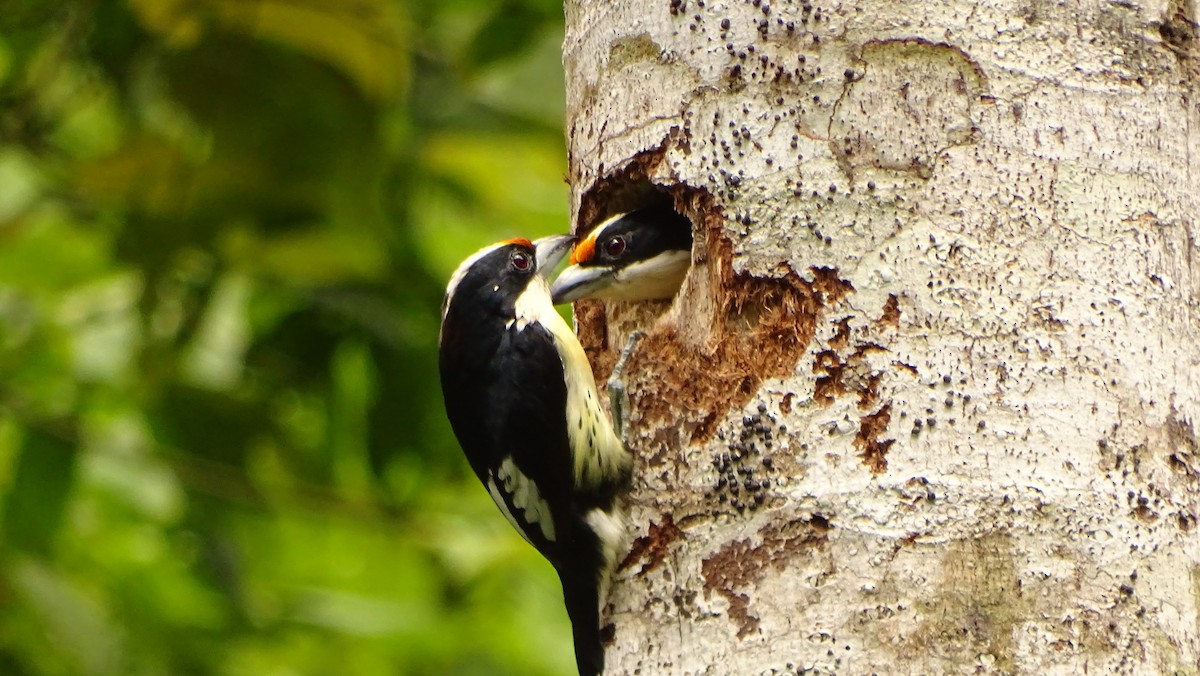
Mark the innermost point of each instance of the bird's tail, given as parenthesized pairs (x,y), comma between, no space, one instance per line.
(581,593)
(591,555)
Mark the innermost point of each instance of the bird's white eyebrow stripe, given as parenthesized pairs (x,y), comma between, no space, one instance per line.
(461,271)
(599,229)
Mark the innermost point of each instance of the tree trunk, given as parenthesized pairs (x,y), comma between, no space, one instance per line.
(929,399)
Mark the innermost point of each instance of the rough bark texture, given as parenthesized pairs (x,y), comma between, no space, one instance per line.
(929,400)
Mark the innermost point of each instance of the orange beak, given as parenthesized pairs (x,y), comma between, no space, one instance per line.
(583,252)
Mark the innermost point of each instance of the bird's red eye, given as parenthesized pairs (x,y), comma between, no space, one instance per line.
(615,246)
(520,261)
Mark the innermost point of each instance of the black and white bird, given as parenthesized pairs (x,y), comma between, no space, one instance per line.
(521,398)
(640,255)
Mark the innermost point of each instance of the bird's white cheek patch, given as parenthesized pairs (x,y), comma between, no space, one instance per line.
(657,277)
(525,497)
(533,305)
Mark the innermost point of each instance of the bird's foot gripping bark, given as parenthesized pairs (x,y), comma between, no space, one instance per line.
(618,397)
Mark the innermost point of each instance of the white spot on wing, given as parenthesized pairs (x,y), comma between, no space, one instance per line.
(499,500)
(525,497)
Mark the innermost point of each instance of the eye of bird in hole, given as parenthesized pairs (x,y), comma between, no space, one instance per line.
(640,255)
(615,246)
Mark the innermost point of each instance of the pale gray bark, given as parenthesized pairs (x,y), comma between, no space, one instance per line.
(951,251)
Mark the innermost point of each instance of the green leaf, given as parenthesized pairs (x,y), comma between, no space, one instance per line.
(511,29)
(37,501)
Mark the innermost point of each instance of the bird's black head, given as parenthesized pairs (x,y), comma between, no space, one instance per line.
(486,287)
(491,279)
(640,255)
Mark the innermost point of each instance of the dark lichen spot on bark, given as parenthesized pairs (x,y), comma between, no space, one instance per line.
(891,312)
(828,367)
(868,396)
(785,404)
(685,602)
(608,634)
(741,564)
(739,605)
(1183,447)
(841,335)
(1178,30)
(872,449)
(1028,12)
(820,524)
(1145,514)
(653,546)
(1181,463)
(1185,521)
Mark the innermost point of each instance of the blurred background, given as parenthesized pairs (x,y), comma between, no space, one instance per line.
(225,227)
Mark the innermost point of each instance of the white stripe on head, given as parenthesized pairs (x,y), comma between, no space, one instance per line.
(599,229)
(461,271)
(587,243)
(595,233)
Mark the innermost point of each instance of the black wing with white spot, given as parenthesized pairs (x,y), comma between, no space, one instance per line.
(530,469)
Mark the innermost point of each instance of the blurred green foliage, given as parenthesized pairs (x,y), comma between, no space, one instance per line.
(225,226)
